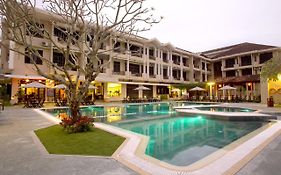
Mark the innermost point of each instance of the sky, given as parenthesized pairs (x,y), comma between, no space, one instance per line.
(200,25)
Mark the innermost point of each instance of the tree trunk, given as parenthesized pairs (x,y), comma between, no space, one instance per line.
(74,104)
(74,110)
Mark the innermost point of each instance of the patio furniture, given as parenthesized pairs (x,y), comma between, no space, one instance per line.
(2,104)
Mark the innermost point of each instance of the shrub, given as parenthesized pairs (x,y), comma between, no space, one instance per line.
(83,124)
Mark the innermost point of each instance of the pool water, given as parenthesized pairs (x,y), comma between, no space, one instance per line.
(182,141)
(126,112)
(178,140)
(225,109)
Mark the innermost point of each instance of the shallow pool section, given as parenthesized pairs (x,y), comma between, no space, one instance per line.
(182,141)
(224,109)
(126,112)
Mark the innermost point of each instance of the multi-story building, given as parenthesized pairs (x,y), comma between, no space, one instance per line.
(134,62)
(139,61)
(240,66)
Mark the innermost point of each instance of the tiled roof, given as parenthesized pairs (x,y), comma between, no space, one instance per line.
(235,49)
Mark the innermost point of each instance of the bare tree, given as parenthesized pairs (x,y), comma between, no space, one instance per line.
(82,26)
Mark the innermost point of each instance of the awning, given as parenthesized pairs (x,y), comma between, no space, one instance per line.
(241,79)
(37,77)
(143,83)
(106,78)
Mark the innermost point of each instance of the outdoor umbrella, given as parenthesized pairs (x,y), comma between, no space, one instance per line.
(60,86)
(92,87)
(197,89)
(34,85)
(228,88)
(141,88)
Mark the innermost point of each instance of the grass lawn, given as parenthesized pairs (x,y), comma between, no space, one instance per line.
(94,142)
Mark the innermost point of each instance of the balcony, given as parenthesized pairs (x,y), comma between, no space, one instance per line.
(177,62)
(119,73)
(152,76)
(196,66)
(136,54)
(165,60)
(136,74)
(152,57)
(165,77)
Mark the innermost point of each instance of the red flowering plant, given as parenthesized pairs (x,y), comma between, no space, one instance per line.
(82,124)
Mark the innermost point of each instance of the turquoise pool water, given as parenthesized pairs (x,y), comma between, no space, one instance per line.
(182,141)
(225,109)
(124,112)
(178,140)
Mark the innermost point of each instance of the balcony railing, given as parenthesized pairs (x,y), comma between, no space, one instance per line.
(136,74)
(165,77)
(152,57)
(176,62)
(165,60)
(152,76)
(119,73)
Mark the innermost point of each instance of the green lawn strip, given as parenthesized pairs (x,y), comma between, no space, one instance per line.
(94,142)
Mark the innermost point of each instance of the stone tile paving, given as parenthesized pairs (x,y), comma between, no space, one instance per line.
(19,153)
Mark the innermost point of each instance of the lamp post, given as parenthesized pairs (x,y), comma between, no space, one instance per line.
(211,89)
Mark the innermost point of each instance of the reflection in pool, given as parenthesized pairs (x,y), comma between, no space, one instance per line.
(184,140)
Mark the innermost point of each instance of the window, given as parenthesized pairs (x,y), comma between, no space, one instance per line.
(35,29)
(246,60)
(230,73)
(229,62)
(264,57)
(34,58)
(60,33)
(203,66)
(134,68)
(59,59)
(116,66)
(247,71)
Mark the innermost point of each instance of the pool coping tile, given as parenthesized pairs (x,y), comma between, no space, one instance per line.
(132,152)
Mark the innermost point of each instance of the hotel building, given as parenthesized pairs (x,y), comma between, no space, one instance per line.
(140,61)
(240,66)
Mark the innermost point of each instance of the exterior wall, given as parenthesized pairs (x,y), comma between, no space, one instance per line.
(274,90)
(264,91)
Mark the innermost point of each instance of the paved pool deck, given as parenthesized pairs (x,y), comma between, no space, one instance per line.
(20,154)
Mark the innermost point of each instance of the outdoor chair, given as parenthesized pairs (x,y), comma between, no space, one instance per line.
(57,102)
(41,102)
(2,104)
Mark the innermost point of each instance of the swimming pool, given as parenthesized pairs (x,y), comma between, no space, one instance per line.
(182,141)
(176,139)
(225,109)
(125,112)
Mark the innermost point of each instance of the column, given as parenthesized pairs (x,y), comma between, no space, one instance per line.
(154,88)
(15,88)
(124,90)
(247,92)
(181,69)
